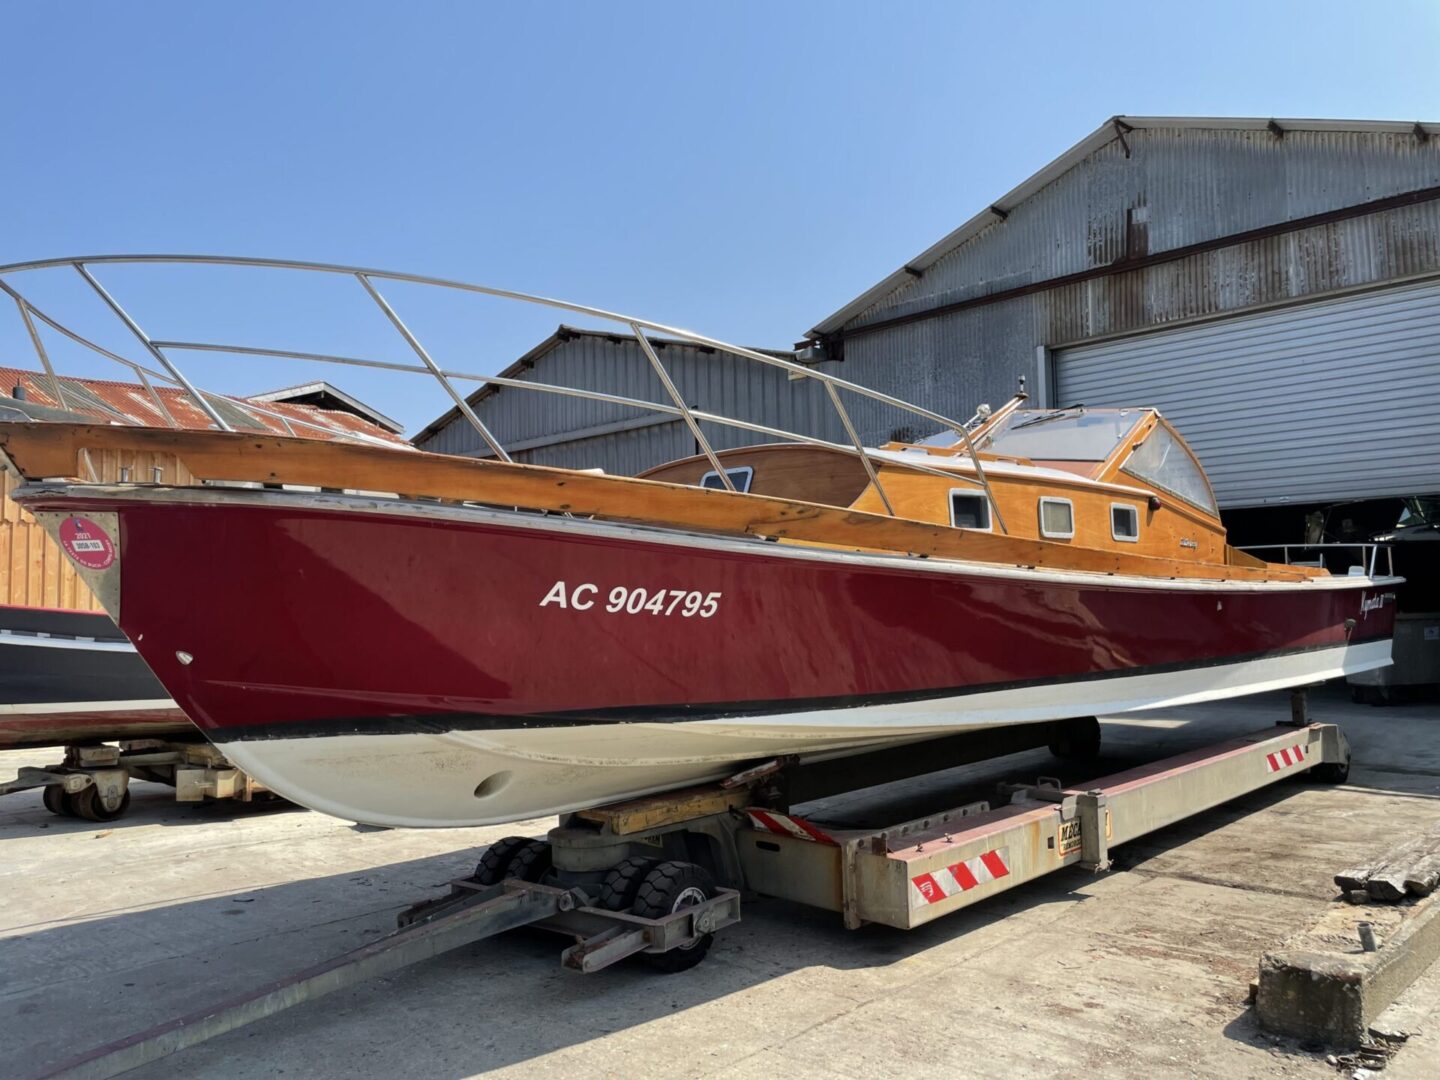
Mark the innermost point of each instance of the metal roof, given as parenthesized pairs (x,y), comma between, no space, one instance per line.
(322,388)
(131,403)
(562,334)
(1112,129)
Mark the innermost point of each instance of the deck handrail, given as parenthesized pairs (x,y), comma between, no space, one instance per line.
(159,348)
(1369,552)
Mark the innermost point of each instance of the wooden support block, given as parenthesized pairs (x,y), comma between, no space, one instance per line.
(655,811)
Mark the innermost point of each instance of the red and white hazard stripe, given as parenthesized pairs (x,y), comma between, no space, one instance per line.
(935,886)
(1283,759)
(785,825)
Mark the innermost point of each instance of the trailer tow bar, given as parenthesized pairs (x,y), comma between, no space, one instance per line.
(470,913)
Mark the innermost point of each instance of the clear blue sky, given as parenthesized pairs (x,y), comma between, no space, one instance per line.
(742,169)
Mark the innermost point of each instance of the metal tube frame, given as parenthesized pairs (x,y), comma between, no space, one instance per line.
(855,438)
(414,343)
(366,276)
(40,352)
(690,421)
(120,313)
(1369,553)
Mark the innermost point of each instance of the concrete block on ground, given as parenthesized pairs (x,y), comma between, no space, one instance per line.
(1321,984)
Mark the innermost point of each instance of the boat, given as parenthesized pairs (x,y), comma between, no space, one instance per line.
(427,640)
(68,675)
(73,677)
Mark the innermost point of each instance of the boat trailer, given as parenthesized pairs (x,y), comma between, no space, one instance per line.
(93,781)
(657,877)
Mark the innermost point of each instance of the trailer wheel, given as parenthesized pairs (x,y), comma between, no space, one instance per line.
(530,862)
(1076,739)
(491,868)
(670,887)
(90,806)
(1332,772)
(57,802)
(622,883)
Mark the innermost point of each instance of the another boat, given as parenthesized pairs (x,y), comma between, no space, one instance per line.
(73,677)
(496,641)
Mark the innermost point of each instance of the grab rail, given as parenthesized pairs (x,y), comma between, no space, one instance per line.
(159,348)
(1369,553)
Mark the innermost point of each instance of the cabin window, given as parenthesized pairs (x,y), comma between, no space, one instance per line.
(1125,522)
(969,510)
(1057,519)
(740,477)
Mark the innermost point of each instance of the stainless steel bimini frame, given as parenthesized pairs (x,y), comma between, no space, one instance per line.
(159,349)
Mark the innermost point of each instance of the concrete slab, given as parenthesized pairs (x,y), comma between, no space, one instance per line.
(1320,984)
(1139,973)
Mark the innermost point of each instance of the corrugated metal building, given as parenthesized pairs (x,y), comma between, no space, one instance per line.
(1272,286)
(546,429)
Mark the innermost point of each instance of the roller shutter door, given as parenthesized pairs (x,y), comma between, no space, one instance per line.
(1333,400)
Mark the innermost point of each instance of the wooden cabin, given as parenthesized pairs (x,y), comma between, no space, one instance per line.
(1117,479)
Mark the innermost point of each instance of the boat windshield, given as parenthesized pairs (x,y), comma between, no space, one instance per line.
(1074,434)
(1163,460)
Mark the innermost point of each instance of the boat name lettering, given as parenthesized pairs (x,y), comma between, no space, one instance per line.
(1374,603)
(688,603)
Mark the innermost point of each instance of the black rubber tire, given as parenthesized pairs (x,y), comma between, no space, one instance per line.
(88,805)
(56,802)
(669,887)
(1077,739)
(491,868)
(622,883)
(531,861)
(1333,772)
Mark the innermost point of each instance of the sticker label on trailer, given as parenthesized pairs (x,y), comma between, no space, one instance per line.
(1067,837)
(86,543)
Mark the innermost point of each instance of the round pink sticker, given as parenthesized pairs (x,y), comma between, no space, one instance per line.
(87,543)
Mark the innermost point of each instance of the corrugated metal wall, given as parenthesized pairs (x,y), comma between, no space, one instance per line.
(1334,399)
(547,429)
(1177,188)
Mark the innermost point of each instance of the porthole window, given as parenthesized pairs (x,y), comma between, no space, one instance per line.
(969,510)
(740,477)
(1057,519)
(1125,522)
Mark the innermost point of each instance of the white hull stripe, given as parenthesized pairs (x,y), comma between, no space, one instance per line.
(785,825)
(143,705)
(948,881)
(46,641)
(1283,759)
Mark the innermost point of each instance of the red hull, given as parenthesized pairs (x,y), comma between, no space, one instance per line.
(315,620)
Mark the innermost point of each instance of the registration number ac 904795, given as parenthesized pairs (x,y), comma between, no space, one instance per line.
(627,600)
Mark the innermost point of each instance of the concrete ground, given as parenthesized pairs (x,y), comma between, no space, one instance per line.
(1141,972)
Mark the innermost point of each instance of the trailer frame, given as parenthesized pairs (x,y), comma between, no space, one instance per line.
(741,833)
(92,781)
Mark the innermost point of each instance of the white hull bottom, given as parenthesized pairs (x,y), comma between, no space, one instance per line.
(466,778)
